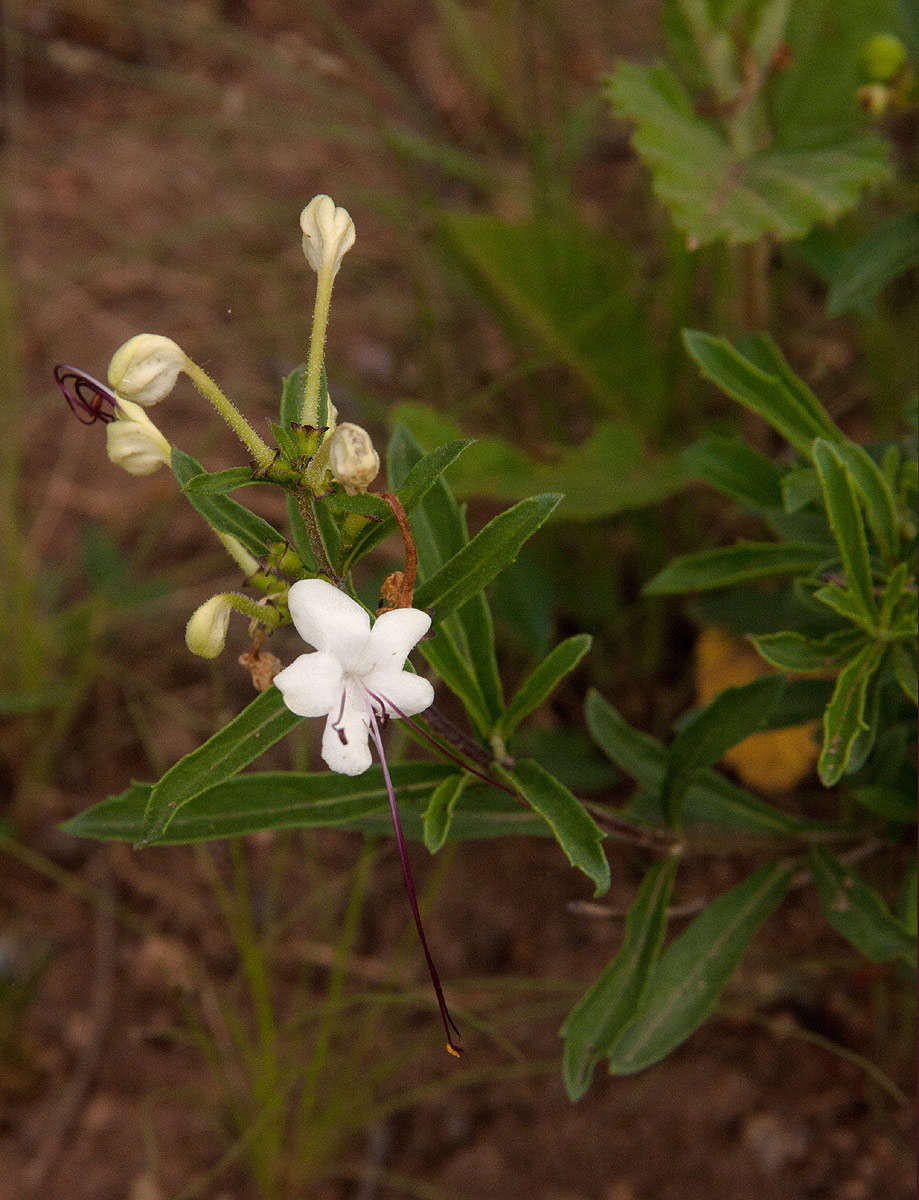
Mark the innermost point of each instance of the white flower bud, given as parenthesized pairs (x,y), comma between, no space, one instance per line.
(328,233)
(206,631)
(146,367)
(134,442)
(352,458)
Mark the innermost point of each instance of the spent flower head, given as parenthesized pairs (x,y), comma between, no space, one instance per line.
(146,367)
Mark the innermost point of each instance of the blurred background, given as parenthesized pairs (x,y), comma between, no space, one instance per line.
(513,276)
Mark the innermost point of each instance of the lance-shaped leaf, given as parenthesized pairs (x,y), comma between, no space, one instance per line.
(438,816)
(443,654)
(735,564)
(790,651)
(575,830)
(489,552)
(858,912)
(876,494)
(733,466)
(890,250)
(711,799)
(223,513)
(903,658)
(844,719)
(846,522)
(220,482)
(545,678)
(596,1021)
(265,721)
(762,386)
(692,972)
(702,741)
(255,802)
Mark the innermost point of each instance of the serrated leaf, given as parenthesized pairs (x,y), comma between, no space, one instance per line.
(255,802)
(438,815)
(843,720)
(714,193)
(730,718)
(575,830)
(262,723)
(574,291)
(711,799)
(220,482)
(890,250)
(731,465)
(766,387)
(222,513)
(692,972)
(790,651)
(858,912)
(544,679)
(489,552)
(596,1021)
(735,564)
(845,517)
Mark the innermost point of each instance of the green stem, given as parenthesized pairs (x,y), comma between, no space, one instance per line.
(310,412)
(307,511)
(264,613)
(261,452)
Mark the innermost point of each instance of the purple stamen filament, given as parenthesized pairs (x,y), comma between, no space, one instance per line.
(449,1024)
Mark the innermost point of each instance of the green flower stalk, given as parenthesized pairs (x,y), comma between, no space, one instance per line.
(328,234)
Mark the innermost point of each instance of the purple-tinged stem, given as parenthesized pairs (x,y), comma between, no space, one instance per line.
(449,1024)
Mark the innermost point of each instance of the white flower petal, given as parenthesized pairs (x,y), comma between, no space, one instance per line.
(344,741)
(329,620)
(312,685)
(408,692)
(393,635)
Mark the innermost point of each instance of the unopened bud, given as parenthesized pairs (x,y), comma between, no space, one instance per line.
(134,442)
(882,57)
(206,631)
(328,233)
(352,458)
(146,367)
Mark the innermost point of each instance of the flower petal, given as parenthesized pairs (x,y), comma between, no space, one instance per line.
(408,692)
(344,741)
(329,620)
(312,685)
(393,635)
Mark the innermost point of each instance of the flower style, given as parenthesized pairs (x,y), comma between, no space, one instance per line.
(355,674)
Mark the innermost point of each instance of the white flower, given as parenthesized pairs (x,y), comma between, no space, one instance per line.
(328,234)
(134,442)
(355,672)
(352,458)
(146,367)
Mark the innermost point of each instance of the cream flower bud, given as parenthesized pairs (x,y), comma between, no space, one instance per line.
(328,233)
(146,367)
(352,458)
(206,631)
(134,442)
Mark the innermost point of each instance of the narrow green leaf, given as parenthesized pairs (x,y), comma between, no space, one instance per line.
(575,830)
(220,482)
(847,605)
(292,396)
(437,524)
(731,465)
(886,803)
(858,912)
(800,488)
(596,1021)
(454,669)
(843,720)
(438,815)
(255,802)
(732,716)
(265,721)
(484,557)
(762,392)
(480,641)
(846,522)
(890,250)
(877,496)
(417,483)
(734,564)
(791,651)
(222,513)
(763,350)
(693,970)
(903,658)
(545,678)
(711,800)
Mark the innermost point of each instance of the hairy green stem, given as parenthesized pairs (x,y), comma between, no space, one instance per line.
(261,452)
